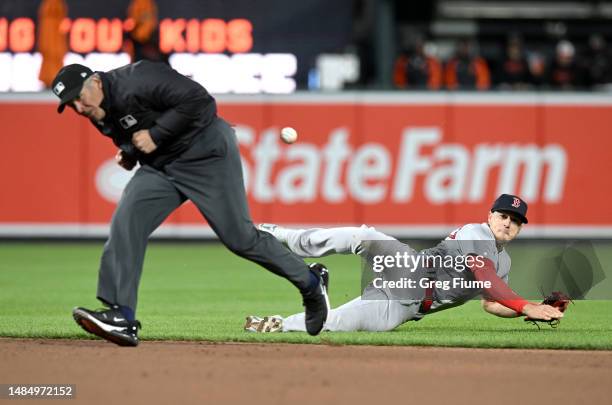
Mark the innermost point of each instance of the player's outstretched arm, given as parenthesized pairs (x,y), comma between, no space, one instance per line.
(497,309)
(541,311)
(500,293)
(535,311)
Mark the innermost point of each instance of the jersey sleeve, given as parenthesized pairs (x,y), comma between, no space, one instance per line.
(181,99)
(504,267)
(471,240)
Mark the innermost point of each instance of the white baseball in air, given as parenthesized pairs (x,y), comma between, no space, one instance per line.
(288,135)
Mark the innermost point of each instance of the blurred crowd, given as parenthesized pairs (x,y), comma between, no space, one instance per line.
(463,64)
(562,67)
(141,40)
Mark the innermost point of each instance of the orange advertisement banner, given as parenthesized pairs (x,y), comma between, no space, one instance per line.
(392,162)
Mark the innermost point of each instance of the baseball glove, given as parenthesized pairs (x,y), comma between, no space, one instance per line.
(555,299)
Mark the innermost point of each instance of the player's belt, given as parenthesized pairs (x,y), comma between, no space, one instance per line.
(427,301)
(429,298)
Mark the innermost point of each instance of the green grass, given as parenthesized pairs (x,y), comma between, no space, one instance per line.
(193,291)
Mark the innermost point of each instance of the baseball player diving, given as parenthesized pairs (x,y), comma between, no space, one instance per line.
(168,123)
(437,285)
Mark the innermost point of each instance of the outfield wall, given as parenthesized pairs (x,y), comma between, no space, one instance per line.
(412,164)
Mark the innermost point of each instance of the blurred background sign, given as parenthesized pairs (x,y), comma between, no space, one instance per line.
(241,46)
(412,165)
(276,46)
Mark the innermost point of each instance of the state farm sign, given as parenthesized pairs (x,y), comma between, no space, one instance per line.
(413,165)
(372,172)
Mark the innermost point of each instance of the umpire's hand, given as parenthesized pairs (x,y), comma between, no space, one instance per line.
(124,160)
(143,142)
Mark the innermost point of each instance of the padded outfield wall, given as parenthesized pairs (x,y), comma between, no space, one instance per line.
(411,164)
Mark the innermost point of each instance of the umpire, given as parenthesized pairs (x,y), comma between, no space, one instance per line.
(169,124)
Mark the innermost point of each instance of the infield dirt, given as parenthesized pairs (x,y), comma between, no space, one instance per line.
(236,373)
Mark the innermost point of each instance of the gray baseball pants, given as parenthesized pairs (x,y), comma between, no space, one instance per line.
(373,311)
(210,175)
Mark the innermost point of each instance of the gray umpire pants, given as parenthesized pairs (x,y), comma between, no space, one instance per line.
(210,175)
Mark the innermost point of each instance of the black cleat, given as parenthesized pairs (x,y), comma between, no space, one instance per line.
(109,324)
(321,271)
(316,301)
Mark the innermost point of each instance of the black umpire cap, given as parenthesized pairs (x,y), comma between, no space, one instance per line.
(513,204)
(68,83)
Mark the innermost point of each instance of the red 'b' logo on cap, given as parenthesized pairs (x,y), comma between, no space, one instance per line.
(516,203)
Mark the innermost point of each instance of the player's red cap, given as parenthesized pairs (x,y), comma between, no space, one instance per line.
(513,204)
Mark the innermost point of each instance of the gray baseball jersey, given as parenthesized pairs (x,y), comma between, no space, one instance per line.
(470,239)
(379,309)
(445,264)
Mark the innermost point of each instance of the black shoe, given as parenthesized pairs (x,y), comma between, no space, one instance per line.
(321,271)
(109,324)
(316,301)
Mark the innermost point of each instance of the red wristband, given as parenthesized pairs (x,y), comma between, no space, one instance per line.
(515,305)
